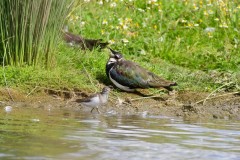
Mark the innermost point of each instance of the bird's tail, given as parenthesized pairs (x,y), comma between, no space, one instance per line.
(96,43)
(168,87)
(158,82)
(103,44)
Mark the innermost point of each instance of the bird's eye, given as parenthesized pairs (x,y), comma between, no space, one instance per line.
(118,56)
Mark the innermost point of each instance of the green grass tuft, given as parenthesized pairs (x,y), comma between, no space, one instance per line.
(195,43)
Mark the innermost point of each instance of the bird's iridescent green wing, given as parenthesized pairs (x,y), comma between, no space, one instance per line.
(130,74)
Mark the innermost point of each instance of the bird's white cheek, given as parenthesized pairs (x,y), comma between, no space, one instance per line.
(112,60)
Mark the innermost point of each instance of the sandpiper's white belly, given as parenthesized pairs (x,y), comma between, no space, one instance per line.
(93,103)
(103,98)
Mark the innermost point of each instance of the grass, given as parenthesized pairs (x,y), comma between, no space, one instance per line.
(29,31)
(195,43)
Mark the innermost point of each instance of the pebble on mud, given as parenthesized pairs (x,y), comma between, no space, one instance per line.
(8,109)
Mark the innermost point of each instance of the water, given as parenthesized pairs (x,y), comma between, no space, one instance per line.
(38,134)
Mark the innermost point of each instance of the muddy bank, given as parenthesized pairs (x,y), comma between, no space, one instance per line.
(185,104)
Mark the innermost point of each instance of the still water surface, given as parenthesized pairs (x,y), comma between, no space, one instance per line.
(37,134)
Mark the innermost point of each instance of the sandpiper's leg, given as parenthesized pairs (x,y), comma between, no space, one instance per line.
(98,110)
(92,109)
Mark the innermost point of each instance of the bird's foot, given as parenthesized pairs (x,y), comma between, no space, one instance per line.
(92,109)
(98,110)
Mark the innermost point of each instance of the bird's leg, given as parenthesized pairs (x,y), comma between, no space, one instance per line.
(98,110)
(92,109)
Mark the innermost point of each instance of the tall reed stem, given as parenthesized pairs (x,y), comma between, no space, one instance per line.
(29,30)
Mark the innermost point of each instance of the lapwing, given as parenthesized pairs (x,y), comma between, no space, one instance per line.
(129,76)
(83,43)
(96,100)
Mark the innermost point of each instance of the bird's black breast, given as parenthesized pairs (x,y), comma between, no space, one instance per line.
(108,68)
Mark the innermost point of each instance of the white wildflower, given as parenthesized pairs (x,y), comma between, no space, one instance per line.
(143,52)
(152,1)
(209,4)
(121,21)
(82,23)
(144,24)
(162,39)
(113,5)
(100,2)
(210,29)
(124,40)
(140,10)
(210,12)
(125,27)
(184,21)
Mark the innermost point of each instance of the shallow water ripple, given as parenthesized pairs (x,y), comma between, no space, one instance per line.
(40,134)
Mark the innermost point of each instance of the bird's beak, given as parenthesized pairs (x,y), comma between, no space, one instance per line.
(110,86)
(112,53)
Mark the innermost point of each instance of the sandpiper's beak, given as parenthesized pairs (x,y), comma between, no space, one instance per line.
(110,86)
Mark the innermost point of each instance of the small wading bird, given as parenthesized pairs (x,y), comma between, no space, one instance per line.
(95,100)
(129,76)
(78,41)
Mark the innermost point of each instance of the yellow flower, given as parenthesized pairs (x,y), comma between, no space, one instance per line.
(210,35)
(105,22)
(71,18)
(190,25)
(131,34)
(128,20)
(111,41)
(195,7)
(205,13)
(137,25)
(155,26)
(223,25)
(102,31)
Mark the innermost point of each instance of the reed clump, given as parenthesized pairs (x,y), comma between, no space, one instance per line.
(29,30)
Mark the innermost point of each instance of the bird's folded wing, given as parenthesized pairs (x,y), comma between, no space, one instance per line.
(130,74)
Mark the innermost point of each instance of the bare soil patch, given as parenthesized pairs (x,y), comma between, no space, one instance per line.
(186,104)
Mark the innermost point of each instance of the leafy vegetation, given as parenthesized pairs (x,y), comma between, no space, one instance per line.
(195,43)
